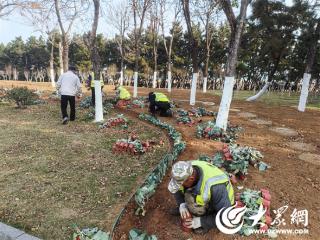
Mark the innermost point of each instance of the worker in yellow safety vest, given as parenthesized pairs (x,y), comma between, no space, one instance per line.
(122,93)
(159,102)
(200,190)
(90,84)
(123,96)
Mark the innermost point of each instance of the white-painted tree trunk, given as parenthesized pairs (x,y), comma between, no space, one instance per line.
(154,82)
(304,92)
(205,80)
(260,93)
(53,83)
(169,81)
(223,114)
(193,89)
(98,101)
(135,84)
(61,58)
(121,77)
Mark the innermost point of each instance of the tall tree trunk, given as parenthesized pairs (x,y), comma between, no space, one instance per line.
(95,57)
(64,36)
(137,36)
(307,73)
(121,72)
(155,30)
(137,50)
(53,84)
(155,57)
(65,55)
(209,36)
(205,73)
(236,26)
(96,63)
(169,77)
(194,51)
(61,58)
(169,53)
(136,70)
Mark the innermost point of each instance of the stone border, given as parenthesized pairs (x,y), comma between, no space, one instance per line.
(11,233)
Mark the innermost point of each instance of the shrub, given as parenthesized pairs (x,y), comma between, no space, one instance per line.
(22,96)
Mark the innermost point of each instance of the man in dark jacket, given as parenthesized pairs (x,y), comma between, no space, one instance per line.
(159,102)
(200,189)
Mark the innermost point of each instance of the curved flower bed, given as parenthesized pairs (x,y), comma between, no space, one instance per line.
(148,188)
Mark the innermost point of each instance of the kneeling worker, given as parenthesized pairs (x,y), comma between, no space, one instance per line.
(159,102)
(123,96)
(200,190)
(91,85)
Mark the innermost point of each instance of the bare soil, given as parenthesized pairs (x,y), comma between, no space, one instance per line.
(291,181)
(310,157)
(247,115)
(286,132)
(261,121)
(302,146)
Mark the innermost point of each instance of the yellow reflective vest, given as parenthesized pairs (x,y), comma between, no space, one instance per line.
(160,97)
(92,80)
(124,93)
(211,175)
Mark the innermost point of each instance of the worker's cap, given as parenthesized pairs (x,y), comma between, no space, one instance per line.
(180,172)
(147,99)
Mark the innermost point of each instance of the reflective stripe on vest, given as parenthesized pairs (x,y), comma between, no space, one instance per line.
(211,175)
(230,192)
(160,97)
(92,80)
(124,94)
(210,182)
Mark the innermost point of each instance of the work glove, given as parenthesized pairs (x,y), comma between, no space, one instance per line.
(184,212)
(193,222)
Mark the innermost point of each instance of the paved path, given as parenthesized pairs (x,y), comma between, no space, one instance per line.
(11,233)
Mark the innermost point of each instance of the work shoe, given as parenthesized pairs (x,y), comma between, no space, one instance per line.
(200,231)
(174,211)
(65,120)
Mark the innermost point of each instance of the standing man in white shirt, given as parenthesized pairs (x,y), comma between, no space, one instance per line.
(69,86)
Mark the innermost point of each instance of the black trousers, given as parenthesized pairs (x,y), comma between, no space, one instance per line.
(93,96)
(65,99)
(162,107)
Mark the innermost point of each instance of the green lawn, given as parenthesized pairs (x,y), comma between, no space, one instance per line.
(276,98)
(54,175)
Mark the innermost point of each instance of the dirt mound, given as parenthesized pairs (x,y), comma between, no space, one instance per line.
(247,115)
(261,121)
(310,158)
(307,147)
(208,103)
(287,132)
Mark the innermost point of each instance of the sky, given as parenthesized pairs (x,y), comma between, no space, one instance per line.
(15,26)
